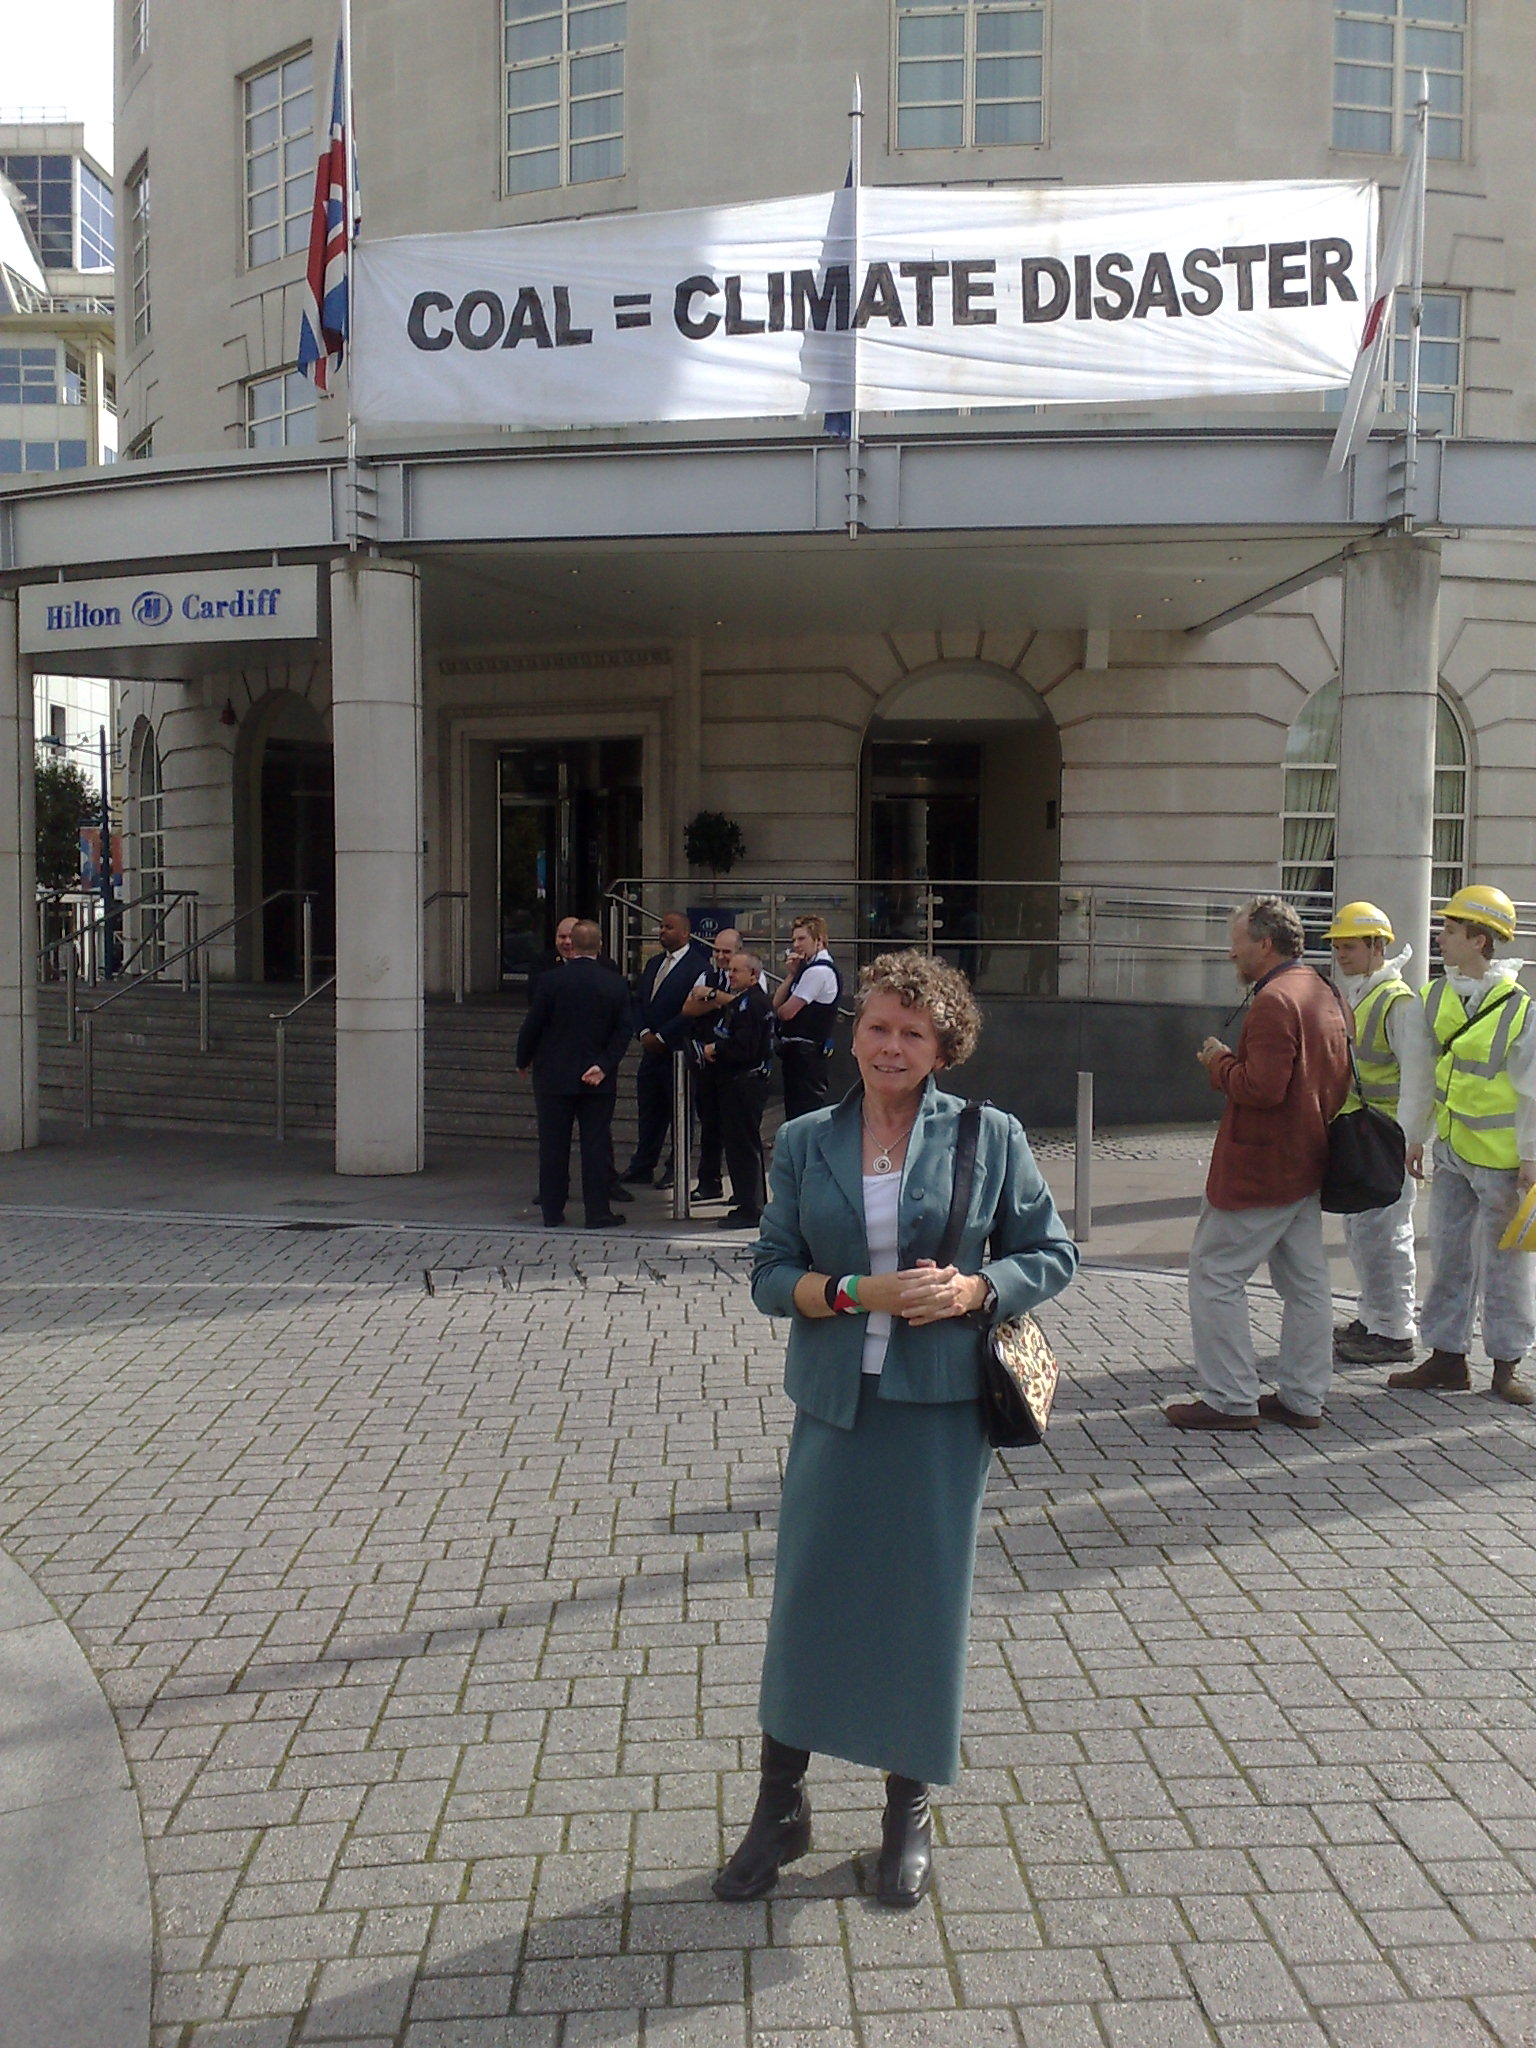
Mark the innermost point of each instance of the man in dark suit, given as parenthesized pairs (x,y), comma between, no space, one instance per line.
(574,1038)
(665,985)
(740,1051)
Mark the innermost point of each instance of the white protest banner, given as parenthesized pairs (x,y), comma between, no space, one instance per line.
(951,298)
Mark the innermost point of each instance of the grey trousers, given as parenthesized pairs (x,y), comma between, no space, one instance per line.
(1469,1210)
(1380,1245)
(1230,1245)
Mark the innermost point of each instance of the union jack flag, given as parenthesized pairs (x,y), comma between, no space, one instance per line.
(325,323)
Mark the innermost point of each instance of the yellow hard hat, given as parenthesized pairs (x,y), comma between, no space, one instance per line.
(1479,904)
(1359,921)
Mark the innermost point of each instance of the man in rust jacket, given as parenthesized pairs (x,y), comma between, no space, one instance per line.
(1284,1085)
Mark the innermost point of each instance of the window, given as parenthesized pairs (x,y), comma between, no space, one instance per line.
(95,221)
(1380,47)
(970,74)
(138,253)
(279,159)
(1311,799)
(147,829)
(1440,339)
(58,724)
(565,92)
(280,411)
(68,208)
(29,376)
(141,447)
(138,30)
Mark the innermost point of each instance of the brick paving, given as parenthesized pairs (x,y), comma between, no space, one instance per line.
(427,1576)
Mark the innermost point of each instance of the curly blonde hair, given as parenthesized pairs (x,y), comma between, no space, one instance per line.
(923,983)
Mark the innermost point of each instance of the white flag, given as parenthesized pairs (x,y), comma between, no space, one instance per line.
(1363,401)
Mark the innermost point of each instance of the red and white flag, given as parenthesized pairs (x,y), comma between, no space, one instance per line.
(1363,400)
(325,323)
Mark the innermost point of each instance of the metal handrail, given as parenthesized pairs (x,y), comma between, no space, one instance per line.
(460,969)
(280,1055)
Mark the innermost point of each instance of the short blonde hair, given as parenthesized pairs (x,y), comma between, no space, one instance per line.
(816,926)
(924,983)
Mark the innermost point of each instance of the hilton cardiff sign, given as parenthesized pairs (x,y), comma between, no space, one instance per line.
(169,611)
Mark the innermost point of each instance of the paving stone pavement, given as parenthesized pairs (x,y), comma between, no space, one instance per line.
(427,1576)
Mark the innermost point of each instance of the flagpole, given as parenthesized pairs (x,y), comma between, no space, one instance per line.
(349,215)
(856,167)
(1416,314)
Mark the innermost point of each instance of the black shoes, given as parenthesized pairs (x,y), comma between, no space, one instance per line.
(612,1221)
(740,1219)
(906,1843)
(780,1830)
(555,1222)
(707,1191)
(617,1192)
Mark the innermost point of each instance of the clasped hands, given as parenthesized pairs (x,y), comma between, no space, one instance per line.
(924,1293)
(1211,1049)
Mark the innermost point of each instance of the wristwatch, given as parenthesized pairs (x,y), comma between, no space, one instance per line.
(988,1309)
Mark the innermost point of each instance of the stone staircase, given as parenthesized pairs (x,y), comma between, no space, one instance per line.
(148,1070)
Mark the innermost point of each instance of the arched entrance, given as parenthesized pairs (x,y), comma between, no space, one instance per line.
(961,784)
(286,830)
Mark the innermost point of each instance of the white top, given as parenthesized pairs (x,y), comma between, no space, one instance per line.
(818,984)
(882,1198)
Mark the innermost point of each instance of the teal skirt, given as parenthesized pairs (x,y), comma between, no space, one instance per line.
(871,1615)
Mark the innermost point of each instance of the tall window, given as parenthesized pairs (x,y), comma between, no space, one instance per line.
(970,74)
(95,221)
(279,159)
(1311,799)
(69,209)
(565,92)
(148,848)
(1440,360)
(280,411)
(1380,48)
(138,30)
(138,252)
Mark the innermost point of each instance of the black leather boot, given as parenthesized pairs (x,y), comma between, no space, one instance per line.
(906,1843)
(780,1829)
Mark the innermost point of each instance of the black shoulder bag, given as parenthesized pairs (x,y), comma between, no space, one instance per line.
(1019,1370)
(1367,1152)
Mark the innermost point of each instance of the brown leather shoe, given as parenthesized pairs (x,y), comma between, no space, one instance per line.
(1273,1409)
(1508,1385)
(1443,1372)
(1196,1415)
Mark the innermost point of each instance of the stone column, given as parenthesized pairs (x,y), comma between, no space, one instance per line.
(1389,692)
(18,894)
(376,731)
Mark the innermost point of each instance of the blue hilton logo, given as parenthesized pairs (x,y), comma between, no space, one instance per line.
(152,608)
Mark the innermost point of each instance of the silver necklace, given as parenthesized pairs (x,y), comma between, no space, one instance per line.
(882,1161)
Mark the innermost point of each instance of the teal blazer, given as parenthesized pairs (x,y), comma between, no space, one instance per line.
(814,1223)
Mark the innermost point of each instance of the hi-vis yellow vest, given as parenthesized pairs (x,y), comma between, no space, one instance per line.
(1381,1078)
(1475,1099)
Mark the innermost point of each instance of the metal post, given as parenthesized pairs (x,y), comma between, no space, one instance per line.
(1093,940)
(460,969)
(307,923)
(106,863)
(682,1138)
(202,1002)
(1082,1162)
(71,992)
(281,1086)
(87,1075)
(187,942)
(932,924)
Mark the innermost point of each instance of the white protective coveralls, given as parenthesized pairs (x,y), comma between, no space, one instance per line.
(1470,1207)
(1380,1241)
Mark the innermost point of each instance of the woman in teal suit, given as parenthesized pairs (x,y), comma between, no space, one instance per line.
(888,1461)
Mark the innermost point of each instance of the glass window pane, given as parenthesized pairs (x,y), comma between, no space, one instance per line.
(534,173)
(1362,85)
(1004,122)
(1445,139)
(598,74)
(931,35)
(1371,133)
(1371,6)
(929,128)
(591,160)
(295,233)
(10,458)
(1362,39)
(39,455)
(261,170)
(1439,362)
(266,245)
(538,129)
(298,156)
(263,401)
(261,92)
(916,83)
(1437,411)
(301,428)
(1314,735)
(72,455)
(299,114)
(538,86)
(261,130)
(1436,10)
(298,72)
(1440,48)
(591,27)
(1442,314)
(597,117)
(265,434)
(532,40)
(1010,32)
(1008,78)
(263,208)
(1445,92)
(527,10)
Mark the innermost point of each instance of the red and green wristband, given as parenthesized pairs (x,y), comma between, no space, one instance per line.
(843,1296)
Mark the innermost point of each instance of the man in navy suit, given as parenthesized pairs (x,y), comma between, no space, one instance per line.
(573,1038)
(665,985)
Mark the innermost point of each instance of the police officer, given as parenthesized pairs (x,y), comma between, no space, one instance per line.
(740,1050)
(1484,1152)
(805,1005)
(1394,1054)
